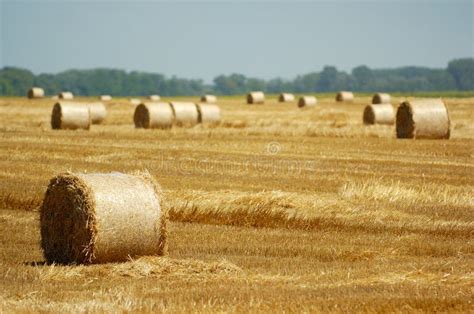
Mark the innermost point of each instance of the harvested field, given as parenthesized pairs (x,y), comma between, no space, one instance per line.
(274,209)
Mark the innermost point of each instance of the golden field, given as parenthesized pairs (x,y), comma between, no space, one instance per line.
(276,209)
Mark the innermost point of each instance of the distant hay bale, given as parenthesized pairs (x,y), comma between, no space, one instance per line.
(66,95)
(307,101)
(72,116)
(154,97)
(210,99)
(255,98)
(208,113)
(185,113)
(105,98)
(381,98)
(285,97)
(35,92)
(153,115)
(423,119)
(344,96)
(379,114)
(100,218)
(135,101)
(98,112)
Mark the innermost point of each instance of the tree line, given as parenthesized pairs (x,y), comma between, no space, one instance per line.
(457,76)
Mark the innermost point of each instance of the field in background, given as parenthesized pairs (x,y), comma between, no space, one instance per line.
(275,209)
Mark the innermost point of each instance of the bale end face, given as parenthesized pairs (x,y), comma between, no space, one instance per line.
(141,117)
(369,115)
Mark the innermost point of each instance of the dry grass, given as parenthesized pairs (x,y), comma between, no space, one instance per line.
(275,209)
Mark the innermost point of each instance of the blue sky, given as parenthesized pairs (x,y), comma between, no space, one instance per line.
(262,39)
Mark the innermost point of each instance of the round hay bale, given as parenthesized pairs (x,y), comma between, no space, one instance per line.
(210,99)
(72,116)
(208,113)
(100,218)
(66,95)
(381,98)
(105,98)
(255,98)
(98,112)
(307,101)
(185,113)
(154,97)
(425,119)
(379,114)
(344,96)
(285,97)
(153,115)
(35,92)
(135,101)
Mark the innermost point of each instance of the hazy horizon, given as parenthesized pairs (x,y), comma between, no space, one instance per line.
(205,39)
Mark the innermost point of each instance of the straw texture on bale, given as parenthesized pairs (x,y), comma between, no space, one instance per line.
(307,101)
(72,116)
(379,114)
(345,96)
(210,99)
(285,97)
(105,97)
(381,98)
(255,98)
(98,112)
(35,92)
(208,113)
(423,119)
(135,101)
(100,218)
(66,95)
(153,115)
(185,113)
(154,97)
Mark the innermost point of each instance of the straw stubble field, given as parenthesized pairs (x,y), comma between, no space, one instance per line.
(277,208)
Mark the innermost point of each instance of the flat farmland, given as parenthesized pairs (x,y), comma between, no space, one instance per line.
(275,209)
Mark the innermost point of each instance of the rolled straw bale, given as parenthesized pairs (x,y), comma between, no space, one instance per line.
(154,97)
(381,98)
(35,92)
(185,113)
(210,99)
(135,101)
(102,217)
(344,96)
(379,114)
(98,112)
(55,97)
(285,97)
(307,101)
(66,95)
(428,119)
(105,98)
(69,115)
(153,115)
(208,113)
(255,98)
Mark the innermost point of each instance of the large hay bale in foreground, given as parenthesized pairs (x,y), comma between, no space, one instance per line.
(344,96)
(255,98)
(105,98)
(379,114)
(98,112)
(35,92)
(307,101)
(99,218)
(208,113)
(154,97)
(210,99)
(286,97)
(69,115)
(153,115)
(66,95)
(381,98)
(428,119)
(185,113)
